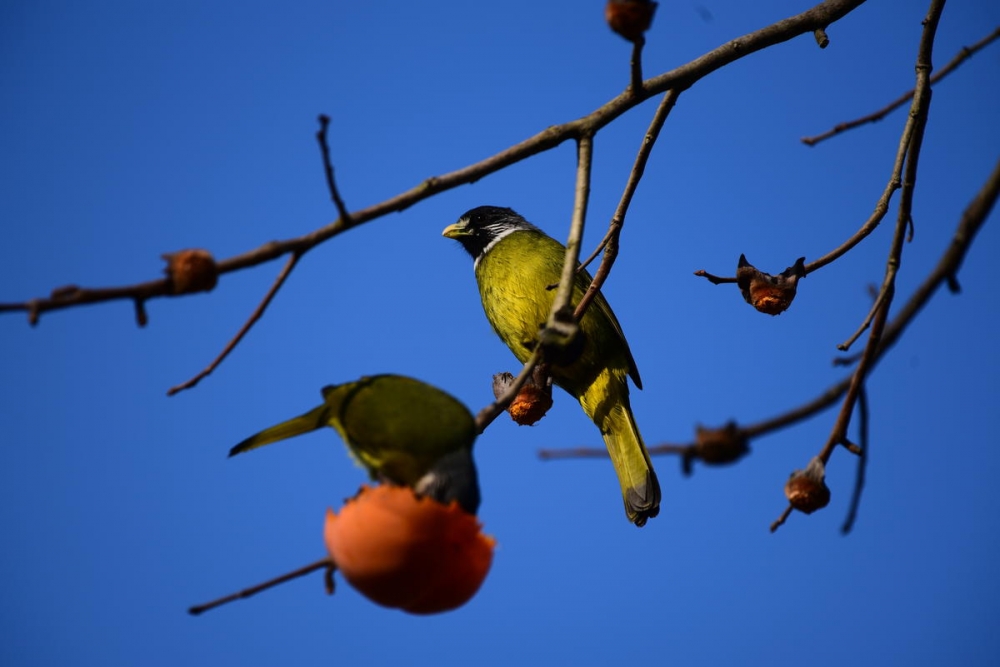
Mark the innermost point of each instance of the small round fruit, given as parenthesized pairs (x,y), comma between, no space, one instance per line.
(407,552)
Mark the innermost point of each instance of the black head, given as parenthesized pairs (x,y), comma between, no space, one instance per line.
(453,477)
(484,225)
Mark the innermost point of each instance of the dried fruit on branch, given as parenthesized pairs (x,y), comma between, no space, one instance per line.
(630,18)
(532,401)
(717,446)
(769,294)
(191,271)
(806,490)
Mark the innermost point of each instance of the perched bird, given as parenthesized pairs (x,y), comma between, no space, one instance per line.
(516,264)
(401,430)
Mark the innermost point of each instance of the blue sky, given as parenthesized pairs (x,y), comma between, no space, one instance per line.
(134,129)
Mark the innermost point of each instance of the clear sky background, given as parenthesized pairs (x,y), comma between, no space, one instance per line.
(133,129)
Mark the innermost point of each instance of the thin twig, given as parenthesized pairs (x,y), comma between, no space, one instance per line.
(635,85)
(895,181)
(972,220)
(782,519)
(881,205)
(612,231)
(256,315)
(573,453)
(918,115)
(838,433)
(714,279)
(800,413)
(919,110)
(880,301)
(610,241)
(581,197)
(859,479)
(823,14)
(331,184)
(602,452)
(873,221)
(960,57)
(270,583)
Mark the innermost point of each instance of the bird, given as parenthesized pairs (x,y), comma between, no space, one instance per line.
(516,264)
(400,429)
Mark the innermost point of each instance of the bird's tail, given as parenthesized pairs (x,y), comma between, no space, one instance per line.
(606,402)
(310,421)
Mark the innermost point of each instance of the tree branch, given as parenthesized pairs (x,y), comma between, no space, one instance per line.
(561,305)
(820,16)
(879,314)
(972,220)
(331,183)
(270,583)
(635,83)
(610,241)
(254,316)
(859,479)
(960,57)
(913,125)
(919,110)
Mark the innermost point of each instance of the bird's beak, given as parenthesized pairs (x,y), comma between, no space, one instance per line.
(456,230)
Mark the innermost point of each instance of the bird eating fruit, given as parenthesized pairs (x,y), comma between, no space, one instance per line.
(400,429)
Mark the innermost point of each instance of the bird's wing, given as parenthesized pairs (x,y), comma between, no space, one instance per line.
(583,281)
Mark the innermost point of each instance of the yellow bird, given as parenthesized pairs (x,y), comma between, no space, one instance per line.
(400,429)
(516,264)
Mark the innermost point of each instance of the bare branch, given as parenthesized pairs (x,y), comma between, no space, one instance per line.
(946,271)
(714,279)
(635,84)
(256,315)
(270,583)
(331,184)
(610,241)
(895,180)
(972,220)
(859,479)
(820,16)
(781,519)
(881,206)
(561,304)
(918,119)
(960,57)
(881,209)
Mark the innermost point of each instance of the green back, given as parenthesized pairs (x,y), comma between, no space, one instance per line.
(397,426)
(513,277)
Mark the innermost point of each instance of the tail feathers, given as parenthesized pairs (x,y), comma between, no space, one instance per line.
(606,403)
(640,488)
(306,423)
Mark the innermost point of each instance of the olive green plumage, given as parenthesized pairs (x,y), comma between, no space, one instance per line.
(515,265)
(401,430)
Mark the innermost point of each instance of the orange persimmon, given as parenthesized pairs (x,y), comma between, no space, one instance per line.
(408,552)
